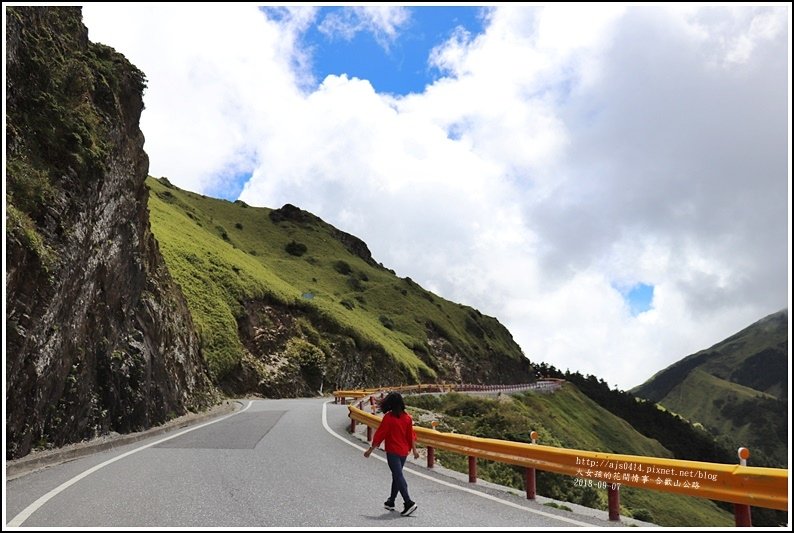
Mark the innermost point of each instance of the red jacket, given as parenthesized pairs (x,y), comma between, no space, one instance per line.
(397,431)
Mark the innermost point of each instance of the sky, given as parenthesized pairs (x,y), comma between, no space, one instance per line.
(612,183)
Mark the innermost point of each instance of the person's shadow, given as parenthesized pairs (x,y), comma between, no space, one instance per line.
(384,517)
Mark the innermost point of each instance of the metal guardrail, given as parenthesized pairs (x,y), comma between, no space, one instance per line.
(756,486)
(342,395)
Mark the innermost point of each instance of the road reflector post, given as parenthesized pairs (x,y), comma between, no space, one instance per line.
(741,512)
(472,469)
(613,495)
(530,483)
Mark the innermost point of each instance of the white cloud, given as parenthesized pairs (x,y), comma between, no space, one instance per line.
(384,22)
(564,154)
(214,77)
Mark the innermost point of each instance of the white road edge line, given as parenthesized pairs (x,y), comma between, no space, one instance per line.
(452,485)
(19,519)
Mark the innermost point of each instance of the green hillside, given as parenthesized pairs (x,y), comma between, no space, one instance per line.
(737,389)
(285,304)
(570,419)
(579,422)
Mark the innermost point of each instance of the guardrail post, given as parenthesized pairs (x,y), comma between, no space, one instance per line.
(530,483)
(530,473)
(613,495)
(472,469)
(431,451)
(369,428)
(741,512)
(352,425)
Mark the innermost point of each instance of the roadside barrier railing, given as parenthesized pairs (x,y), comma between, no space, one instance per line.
(341,396)
(741,485)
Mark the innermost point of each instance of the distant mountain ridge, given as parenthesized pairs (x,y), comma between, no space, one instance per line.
(737,389)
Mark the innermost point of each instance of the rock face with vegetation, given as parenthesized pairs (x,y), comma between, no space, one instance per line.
(737,389)
(99,337)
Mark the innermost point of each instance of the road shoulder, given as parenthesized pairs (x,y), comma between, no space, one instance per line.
(35,461)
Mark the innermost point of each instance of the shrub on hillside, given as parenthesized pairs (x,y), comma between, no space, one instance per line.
(355,284)
(342,267)
(387,322)
(295,248)
(642,514)
(304,353)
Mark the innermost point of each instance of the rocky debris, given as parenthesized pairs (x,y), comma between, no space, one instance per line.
(291,352)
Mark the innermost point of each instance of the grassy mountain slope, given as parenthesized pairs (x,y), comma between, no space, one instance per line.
(581,423)
(279,295)
(736,389)
(570,419)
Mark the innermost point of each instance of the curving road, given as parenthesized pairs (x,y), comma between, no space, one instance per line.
(276,463)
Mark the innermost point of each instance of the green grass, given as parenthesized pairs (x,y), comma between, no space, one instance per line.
(558,506)
(580,422)
(225,253)
(694,397)
(673,510)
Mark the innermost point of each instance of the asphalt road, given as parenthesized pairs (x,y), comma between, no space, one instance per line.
(275,463)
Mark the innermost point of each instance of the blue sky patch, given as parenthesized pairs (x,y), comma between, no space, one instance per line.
(639,298)
(398,66)
(230,186)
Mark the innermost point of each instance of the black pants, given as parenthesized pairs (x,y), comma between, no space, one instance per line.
(398,483)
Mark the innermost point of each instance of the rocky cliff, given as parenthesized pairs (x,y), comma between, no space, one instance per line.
(99,337)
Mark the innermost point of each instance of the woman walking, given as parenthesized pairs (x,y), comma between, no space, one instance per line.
(397,429)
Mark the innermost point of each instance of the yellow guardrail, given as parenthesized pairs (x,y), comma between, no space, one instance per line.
(350,393)
(361,393)
(749,485)
(442,387)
